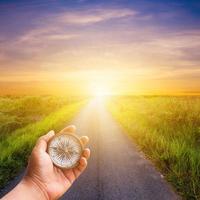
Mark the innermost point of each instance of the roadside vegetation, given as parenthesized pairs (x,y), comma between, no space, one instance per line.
(22,121)
(167,130)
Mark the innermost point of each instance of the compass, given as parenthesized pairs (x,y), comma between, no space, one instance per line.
(65,150)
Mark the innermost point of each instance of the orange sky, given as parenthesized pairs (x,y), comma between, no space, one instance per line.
(77,50)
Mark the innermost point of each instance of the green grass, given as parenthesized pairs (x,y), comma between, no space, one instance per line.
(17,112)
(16,146)
(167,129)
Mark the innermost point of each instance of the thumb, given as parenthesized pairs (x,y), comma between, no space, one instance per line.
(41,144)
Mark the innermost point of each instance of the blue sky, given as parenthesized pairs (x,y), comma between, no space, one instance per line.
(141,41)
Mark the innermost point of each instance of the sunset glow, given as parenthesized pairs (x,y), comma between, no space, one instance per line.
(100,90)
(129,47)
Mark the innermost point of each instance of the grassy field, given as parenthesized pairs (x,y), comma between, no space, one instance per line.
(22,121)
(167,129)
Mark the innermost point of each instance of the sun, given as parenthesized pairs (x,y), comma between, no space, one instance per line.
(100,90)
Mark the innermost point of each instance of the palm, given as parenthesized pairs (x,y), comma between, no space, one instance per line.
(56,181)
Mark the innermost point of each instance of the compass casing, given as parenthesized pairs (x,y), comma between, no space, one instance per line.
(65,150)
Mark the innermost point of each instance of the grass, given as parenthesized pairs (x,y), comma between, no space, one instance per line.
(167,129)
(17,112)
(15,146)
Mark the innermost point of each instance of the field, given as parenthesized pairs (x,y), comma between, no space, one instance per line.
(23,120)
(167,130)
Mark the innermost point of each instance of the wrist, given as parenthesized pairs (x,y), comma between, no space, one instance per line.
(35,188)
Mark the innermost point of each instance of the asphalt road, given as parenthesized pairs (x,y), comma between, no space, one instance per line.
(116,170)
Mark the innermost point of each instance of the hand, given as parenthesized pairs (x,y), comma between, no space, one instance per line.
(52,181)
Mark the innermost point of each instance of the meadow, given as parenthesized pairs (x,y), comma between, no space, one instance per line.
(22,120)
(167,130)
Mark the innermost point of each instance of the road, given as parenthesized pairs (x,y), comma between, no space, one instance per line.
(116,170)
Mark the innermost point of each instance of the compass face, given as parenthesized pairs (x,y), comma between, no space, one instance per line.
(65,150)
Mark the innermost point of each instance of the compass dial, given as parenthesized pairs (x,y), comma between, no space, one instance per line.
(65,150)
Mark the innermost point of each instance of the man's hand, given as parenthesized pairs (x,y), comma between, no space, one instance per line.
(44,179)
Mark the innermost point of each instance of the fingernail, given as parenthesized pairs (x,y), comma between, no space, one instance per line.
(51,132)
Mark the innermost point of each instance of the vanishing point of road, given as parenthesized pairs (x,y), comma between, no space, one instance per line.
(116,169)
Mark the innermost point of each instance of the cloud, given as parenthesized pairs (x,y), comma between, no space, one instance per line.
(55,27)
(55,31)
(78,40)
(179,47)
(92,16)
(44,35)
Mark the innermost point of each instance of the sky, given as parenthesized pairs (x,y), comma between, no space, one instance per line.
(117,47)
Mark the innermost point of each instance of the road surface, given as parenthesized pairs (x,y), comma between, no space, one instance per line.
(116,169)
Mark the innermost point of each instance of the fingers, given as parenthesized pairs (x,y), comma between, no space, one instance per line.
(70,129)
(86,153)
(41,144)
(82,163)
(84,140)
(43,140)
(48,136)
(74,173)
(81,167)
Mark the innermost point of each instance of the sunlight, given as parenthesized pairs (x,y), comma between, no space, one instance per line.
(100,90)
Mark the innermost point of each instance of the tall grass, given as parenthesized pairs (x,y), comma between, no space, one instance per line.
(167,129)
(17,112)
(16,147)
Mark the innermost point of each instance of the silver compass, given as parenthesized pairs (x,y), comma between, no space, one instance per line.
(65,150)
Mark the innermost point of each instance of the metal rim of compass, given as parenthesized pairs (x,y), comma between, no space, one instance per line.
(75,138)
